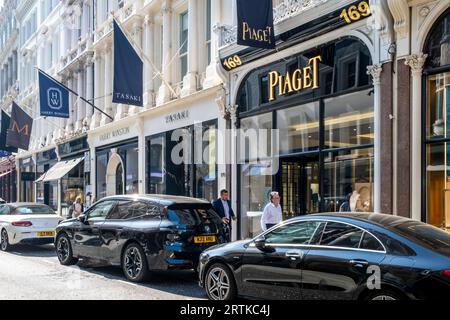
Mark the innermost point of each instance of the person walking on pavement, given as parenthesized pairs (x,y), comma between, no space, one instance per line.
(272,214)
(77,207)
(223,208)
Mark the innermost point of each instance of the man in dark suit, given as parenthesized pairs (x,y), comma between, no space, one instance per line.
(223,208)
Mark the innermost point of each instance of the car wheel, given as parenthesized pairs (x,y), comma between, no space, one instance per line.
(64,251)
(134,263)
(4,241)
(219,283)
(384,295)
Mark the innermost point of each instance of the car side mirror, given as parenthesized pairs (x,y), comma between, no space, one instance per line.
(82,219)
(260,244)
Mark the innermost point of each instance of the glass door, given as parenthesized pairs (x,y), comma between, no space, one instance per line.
(299,184)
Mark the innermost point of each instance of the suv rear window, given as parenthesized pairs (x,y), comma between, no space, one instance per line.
(192,215)
(425,235)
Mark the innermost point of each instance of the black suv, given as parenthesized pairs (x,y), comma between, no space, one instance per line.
(141,233)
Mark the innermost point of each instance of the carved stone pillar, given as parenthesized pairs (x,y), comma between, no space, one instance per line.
(164,93)
(375,72)
(416,63)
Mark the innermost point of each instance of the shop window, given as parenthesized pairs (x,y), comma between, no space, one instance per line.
(348,181)
(264,87)
(438,106)
(156,168)
(102,163)
(299,128)
(255,142)
(349,120)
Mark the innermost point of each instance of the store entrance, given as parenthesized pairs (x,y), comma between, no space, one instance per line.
(298,183)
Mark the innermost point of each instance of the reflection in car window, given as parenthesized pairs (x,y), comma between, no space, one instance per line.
(34,210)
(129,210)
(100,211)
(193,216)
(293,233)
(4,210)
(369,242)
(341,235)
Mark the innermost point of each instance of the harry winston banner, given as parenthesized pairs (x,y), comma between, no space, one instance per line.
(128,71)
(20,126)
(4,126)
(255,23)
(53,98)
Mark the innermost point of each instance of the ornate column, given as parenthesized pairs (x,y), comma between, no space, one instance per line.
(89,89)
(81,107)
(69,122)
(190,79)
(416,63)
(375,72)
(212,77)
(164,93)
(98,90)
(137,37)
(233,168)
(108,86)
(149,89)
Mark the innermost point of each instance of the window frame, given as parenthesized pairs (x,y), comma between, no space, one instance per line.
(318,246)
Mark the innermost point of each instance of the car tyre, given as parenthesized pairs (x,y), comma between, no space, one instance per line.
(219,283)
(384,294)
(134,263)
(64,251)
(4,241)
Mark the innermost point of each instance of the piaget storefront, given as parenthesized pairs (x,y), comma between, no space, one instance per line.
(321,158)
(436,130)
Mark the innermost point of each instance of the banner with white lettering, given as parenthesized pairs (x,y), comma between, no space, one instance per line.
(128,71)
(255,23)
(53,98)
(20,127)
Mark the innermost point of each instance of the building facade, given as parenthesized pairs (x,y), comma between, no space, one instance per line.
(9,35)
(349,111)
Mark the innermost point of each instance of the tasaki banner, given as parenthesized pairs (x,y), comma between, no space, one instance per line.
(53,97)
(4,126)
(255,23)
(128,71)
(20,127)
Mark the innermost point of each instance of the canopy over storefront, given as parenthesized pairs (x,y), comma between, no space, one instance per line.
(59,170)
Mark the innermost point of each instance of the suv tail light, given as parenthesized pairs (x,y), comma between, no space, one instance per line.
(446,273)
(22,224)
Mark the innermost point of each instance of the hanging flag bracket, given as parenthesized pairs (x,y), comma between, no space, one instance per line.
(75,93)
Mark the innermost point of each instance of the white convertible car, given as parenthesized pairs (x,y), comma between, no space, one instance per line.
(27,223)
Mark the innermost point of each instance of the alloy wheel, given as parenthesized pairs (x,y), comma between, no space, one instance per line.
(133,262)
(218,284)
(63,249)
(4,240)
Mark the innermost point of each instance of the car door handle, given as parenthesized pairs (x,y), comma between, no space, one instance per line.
(359,263)
(294,254)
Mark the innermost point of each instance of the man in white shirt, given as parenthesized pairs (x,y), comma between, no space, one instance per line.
(272,214)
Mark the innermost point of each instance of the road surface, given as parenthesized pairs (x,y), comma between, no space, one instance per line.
(28,272)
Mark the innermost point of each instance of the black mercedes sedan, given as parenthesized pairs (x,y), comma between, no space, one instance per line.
(333,257)
(141,234)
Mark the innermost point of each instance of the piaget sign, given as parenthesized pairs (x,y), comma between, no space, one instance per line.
(300,79)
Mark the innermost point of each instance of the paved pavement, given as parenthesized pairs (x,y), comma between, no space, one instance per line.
(29,272)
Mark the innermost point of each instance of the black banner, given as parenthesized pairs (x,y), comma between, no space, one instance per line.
(4,126)
(255,23)
(20,127)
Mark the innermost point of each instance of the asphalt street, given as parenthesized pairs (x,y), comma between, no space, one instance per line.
(28,272)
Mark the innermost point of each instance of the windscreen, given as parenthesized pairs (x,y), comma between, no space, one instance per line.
(33,210)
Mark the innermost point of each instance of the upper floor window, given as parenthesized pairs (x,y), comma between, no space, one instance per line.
(438,43)
(208,30)
(184,17)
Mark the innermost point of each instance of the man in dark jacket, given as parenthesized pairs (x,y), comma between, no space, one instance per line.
(223,208)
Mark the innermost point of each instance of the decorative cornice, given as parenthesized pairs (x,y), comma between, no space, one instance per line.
(400,11)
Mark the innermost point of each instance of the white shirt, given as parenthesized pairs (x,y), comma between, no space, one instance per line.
(271,215)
